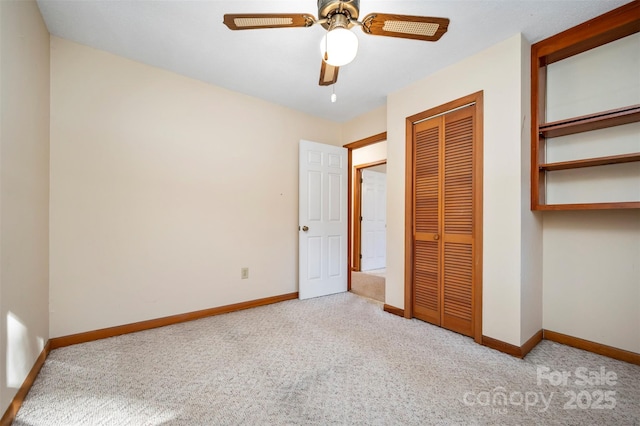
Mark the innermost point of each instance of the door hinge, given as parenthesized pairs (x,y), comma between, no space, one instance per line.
(360,218)
(360,256)
(361,180)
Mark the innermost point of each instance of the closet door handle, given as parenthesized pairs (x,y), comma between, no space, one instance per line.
(436,237)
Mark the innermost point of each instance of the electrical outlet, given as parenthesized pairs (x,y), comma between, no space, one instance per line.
(244,273)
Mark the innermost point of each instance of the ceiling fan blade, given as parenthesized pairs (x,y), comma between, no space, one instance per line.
(252,21)
(405,26)
(328,74)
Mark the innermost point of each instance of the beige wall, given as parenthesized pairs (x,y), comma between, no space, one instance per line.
(531,234)
(162,189)
(364,126)
(24,192)
(369,154)
(499,72)
(592,276)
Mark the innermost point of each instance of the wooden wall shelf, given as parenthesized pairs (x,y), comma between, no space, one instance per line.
(591,162)
(586,123)
(591,206)
(614,25)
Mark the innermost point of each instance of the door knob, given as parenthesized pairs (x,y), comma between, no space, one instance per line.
(436,237)
(305,228)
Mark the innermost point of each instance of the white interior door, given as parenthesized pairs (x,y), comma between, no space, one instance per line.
(322,219)
(373,243)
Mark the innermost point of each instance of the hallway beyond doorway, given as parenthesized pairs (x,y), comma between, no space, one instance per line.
(369,284)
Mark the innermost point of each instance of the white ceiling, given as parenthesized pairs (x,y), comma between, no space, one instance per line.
(283,65)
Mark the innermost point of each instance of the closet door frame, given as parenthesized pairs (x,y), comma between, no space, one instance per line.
(475,99)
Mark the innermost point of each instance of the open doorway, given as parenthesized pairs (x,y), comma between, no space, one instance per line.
(368,217)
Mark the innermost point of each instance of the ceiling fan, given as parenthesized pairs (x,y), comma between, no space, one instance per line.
(339,46)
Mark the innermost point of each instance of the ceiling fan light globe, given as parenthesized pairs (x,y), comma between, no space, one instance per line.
(339,47)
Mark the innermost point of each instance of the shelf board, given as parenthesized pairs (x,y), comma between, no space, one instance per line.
(591,162)
(589,206)
(585,123)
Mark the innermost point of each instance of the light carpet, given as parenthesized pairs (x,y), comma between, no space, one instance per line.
(335,360)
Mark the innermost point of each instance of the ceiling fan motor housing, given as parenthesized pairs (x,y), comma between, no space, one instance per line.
(348,8)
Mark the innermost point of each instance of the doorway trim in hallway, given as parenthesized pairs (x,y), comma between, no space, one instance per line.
(380,137)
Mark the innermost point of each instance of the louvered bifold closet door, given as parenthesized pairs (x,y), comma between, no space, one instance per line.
(426,272)
(457,233)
